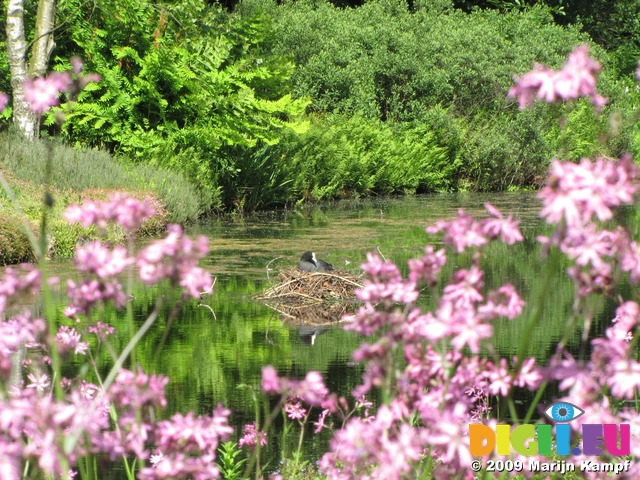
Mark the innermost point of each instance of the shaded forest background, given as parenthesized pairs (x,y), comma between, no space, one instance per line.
(254,104)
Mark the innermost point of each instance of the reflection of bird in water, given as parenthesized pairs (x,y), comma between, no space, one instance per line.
(308,333)
(309,263)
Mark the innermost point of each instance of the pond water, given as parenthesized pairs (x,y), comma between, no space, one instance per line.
(219,344)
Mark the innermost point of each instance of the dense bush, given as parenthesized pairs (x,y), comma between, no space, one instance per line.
(346,156)
(179,83)
(14,243)
(351,156)
(613,25)
(348,60)
(506,152)
(191,88)
(448,69)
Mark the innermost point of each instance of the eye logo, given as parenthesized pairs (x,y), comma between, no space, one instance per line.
(563,412)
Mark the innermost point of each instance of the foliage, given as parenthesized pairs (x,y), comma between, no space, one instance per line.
(453,80)
(230,465)
(14,243)
(178,84)
(613,25)
(341,156)
(74,174)
(347,60)
(580,133)
(261,177)
(351,156)
(435,371)
(501,154)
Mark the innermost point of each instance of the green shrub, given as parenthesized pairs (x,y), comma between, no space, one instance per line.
(14,243)
(348,60)
(503,152)
(179,87)
(352,156)
(580,133)
(258,178)
(440,68)
(341,157)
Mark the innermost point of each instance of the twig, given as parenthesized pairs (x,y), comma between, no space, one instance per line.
(267,268)
(212,312)
(209,290)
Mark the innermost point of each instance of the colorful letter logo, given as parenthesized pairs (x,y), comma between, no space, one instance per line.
(531,440)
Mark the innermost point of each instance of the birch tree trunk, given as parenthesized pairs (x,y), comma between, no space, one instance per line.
(27,121)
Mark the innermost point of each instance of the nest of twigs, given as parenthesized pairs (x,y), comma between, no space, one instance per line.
(319,314)
(305,288)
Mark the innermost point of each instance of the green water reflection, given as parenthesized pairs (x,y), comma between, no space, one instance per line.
(224,340)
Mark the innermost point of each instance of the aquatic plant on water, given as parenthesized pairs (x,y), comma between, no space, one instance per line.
(433,377)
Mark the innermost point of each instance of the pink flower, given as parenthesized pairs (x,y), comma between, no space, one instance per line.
(76,64)
(503,302)
(576,79)
(14,284)
(381,448)
(69,339)
(320,424)
(270,380)
(70,311)
(630,261)
(505,228)
(467,289)
(101,330)
(590,247)
(95,258)
(14,333)
(40,383)
(138,390)
(175,258)
(461,233)
(195,281)
(500,379)
(4,100)
(577,192)
(625,378)
(449,435)
(427,268)
(191,434)
(127,212)
(627,317)
(252,436)
(529,376)
(42,93)
(312,389)
(468,330)
(90,291)
(294,410)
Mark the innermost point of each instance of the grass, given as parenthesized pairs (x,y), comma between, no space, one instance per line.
(79,169)
(76,175)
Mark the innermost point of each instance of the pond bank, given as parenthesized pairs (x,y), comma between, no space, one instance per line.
(21,210)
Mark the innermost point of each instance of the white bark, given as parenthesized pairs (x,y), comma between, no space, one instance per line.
(43,39)
(27,121)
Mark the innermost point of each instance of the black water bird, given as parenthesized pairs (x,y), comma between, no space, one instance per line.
(308,333)
(309,263)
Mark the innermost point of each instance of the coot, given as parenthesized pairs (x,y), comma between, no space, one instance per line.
(309,263)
